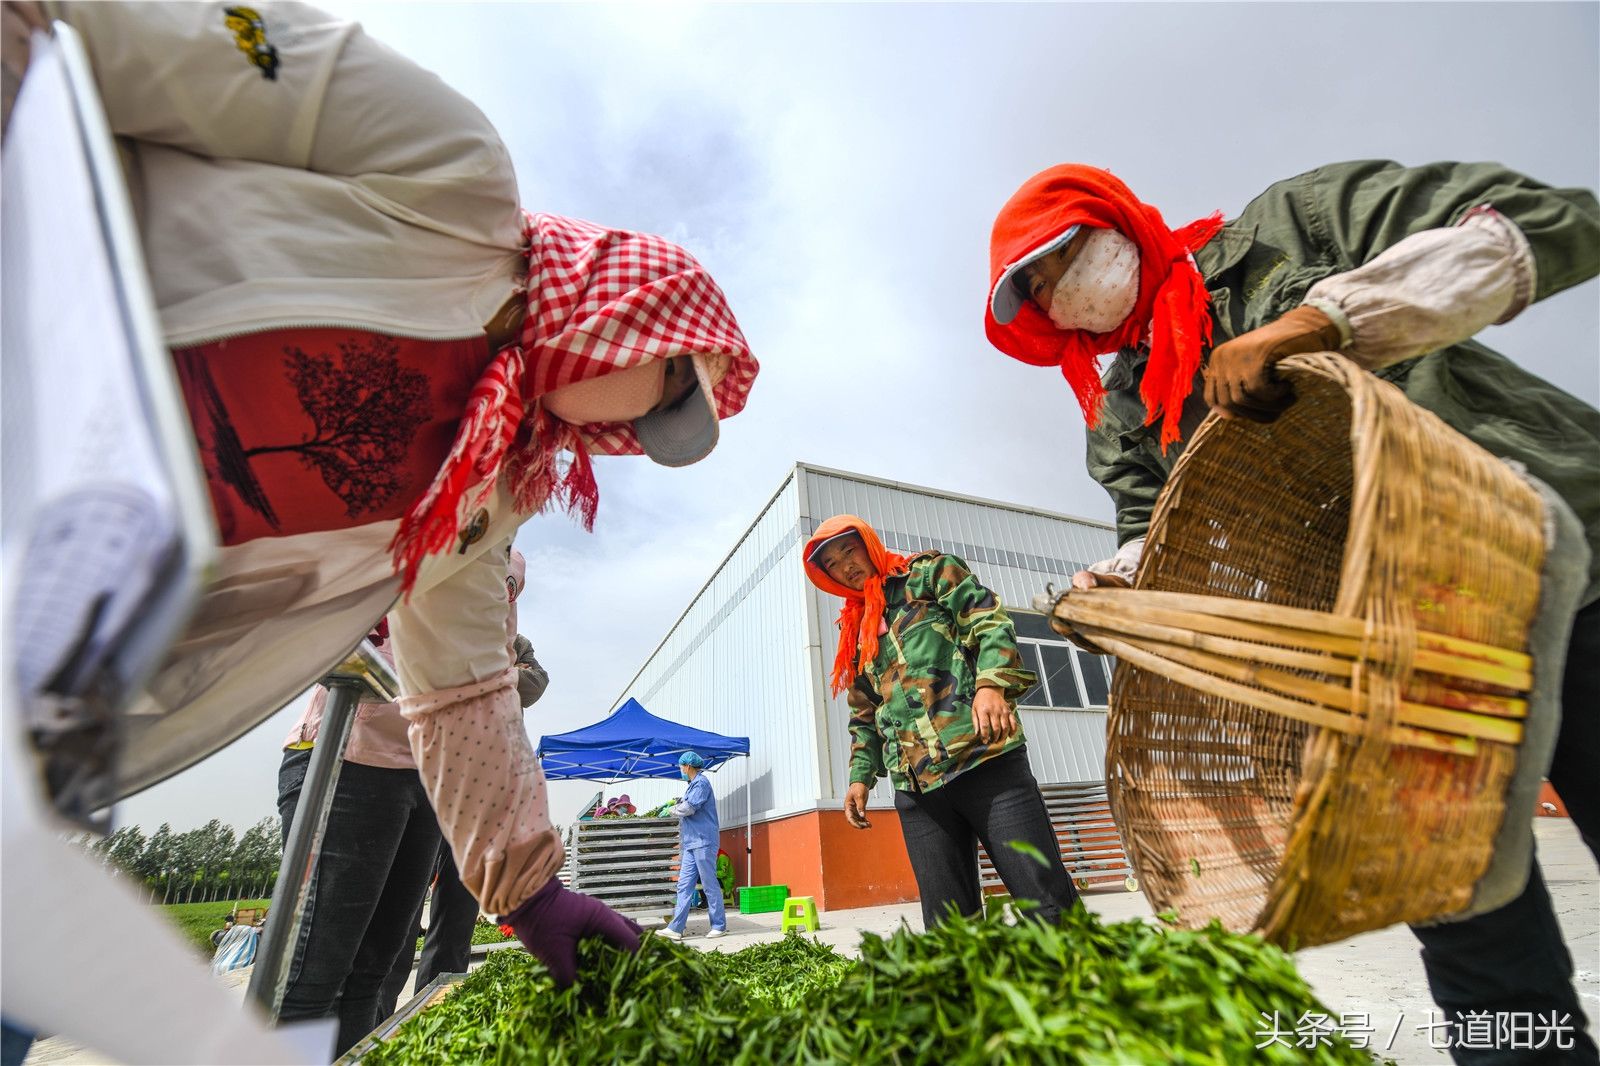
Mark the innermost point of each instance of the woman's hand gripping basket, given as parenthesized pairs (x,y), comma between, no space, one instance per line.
(1325,717)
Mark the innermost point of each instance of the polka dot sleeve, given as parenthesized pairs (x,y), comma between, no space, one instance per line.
(481,775)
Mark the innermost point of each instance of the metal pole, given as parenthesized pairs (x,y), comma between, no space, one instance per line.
(364,675)
(304,845)
(748,785)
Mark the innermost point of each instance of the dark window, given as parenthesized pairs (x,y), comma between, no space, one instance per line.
(1035,696)
(1058,674)
(1093,670)
(1033,625)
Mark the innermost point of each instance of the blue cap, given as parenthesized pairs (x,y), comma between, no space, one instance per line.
(689,758)
(1006,301)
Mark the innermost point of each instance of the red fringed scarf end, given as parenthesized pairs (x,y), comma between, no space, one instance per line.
(1182,306)
(580,496)
(1083,374)
(485,444)
(844,656)
(535,481)
(494,412)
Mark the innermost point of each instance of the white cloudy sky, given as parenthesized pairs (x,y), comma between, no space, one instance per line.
(838,168)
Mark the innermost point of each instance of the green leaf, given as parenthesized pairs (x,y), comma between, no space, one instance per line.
(1022,847)
(1021,1006)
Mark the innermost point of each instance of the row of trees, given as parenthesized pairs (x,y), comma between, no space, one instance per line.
(204,864)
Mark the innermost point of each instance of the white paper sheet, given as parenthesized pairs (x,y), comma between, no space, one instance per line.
(93,523)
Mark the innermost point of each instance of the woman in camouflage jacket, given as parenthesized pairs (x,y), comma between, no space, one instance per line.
(929,659)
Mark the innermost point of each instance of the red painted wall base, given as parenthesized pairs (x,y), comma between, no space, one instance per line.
(818,854)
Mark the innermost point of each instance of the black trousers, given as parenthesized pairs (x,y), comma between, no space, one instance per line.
(377,855)
(996,802)
(1513,962)
(447,945)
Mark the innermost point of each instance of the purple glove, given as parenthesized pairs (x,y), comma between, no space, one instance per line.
(553,920)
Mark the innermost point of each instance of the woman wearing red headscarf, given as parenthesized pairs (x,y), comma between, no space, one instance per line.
(390,367)
(929,659)
(1396,268)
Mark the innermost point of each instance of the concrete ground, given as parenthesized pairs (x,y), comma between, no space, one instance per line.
(1378,975)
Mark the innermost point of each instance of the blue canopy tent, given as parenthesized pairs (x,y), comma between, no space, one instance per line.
(632,743)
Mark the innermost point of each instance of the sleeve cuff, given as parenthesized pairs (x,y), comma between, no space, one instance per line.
(1524,267)
(1124,564)
(1011,682)
(1336,315)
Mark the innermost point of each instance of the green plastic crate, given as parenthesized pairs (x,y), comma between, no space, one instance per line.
(762,899)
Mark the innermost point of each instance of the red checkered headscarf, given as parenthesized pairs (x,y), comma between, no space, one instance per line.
(600,301)
(1172,310)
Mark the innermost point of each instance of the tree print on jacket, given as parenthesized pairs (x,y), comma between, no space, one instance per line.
(364,409)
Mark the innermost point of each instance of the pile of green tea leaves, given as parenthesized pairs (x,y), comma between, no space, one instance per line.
(784,974)
(967,992)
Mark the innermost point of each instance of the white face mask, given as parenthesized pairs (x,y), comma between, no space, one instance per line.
(1100,286)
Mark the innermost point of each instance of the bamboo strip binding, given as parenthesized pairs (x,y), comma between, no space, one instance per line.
(1322,673)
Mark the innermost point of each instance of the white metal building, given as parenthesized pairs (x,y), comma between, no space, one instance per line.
(749,656)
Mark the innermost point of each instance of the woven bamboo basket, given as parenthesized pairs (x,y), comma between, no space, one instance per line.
(1323,675)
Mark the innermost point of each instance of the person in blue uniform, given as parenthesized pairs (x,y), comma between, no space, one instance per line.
(698,833)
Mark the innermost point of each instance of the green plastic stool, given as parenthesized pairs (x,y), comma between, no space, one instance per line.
(800,912)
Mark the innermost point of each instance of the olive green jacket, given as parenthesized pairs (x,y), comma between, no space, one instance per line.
(1335,219)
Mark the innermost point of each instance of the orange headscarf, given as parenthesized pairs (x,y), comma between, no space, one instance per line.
(1173,308)
(862,613)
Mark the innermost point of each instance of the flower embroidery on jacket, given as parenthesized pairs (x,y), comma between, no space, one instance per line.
(250,37)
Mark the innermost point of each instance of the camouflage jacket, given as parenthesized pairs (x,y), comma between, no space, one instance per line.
(947,635)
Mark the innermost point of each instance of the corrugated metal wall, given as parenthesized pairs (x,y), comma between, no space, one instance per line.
(1066,747)
(748,655)
(737,663)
